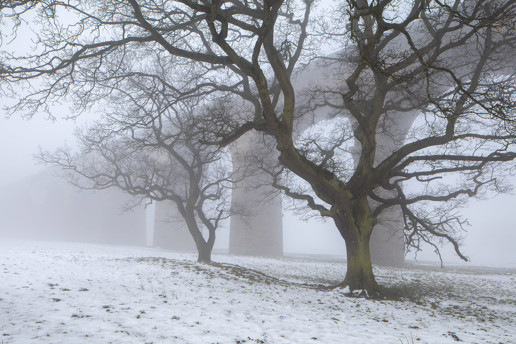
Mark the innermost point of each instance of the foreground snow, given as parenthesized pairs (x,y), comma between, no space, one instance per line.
(79,293)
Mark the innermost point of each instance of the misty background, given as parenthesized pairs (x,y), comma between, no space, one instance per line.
(490,240)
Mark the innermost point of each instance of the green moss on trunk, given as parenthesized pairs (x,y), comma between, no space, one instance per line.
(356,226)
(359,274)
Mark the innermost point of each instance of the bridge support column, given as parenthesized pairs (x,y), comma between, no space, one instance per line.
(387,243)
(257,228)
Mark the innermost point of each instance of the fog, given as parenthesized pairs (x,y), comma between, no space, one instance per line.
(490,239)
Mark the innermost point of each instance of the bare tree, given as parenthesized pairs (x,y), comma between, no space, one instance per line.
(148,147)
(427,94)
(448,61)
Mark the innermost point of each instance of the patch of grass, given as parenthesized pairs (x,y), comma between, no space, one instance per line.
(249,340)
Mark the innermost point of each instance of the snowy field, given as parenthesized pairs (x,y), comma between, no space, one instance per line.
(80,293)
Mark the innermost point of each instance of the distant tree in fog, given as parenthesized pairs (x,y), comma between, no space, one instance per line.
(147,145)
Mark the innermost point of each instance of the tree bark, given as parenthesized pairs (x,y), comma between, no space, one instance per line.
(204,253)
(204,247)
(356,227)
(359,274)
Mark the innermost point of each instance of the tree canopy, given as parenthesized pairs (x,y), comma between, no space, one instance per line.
(147,145)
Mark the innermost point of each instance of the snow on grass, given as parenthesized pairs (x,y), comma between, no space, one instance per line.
(80,293)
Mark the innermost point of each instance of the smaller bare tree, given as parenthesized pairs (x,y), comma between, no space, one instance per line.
(149,147)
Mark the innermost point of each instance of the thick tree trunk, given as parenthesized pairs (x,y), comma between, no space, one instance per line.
(356,226)
(359,274)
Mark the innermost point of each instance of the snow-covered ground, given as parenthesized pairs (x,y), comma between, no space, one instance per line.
(81,293)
